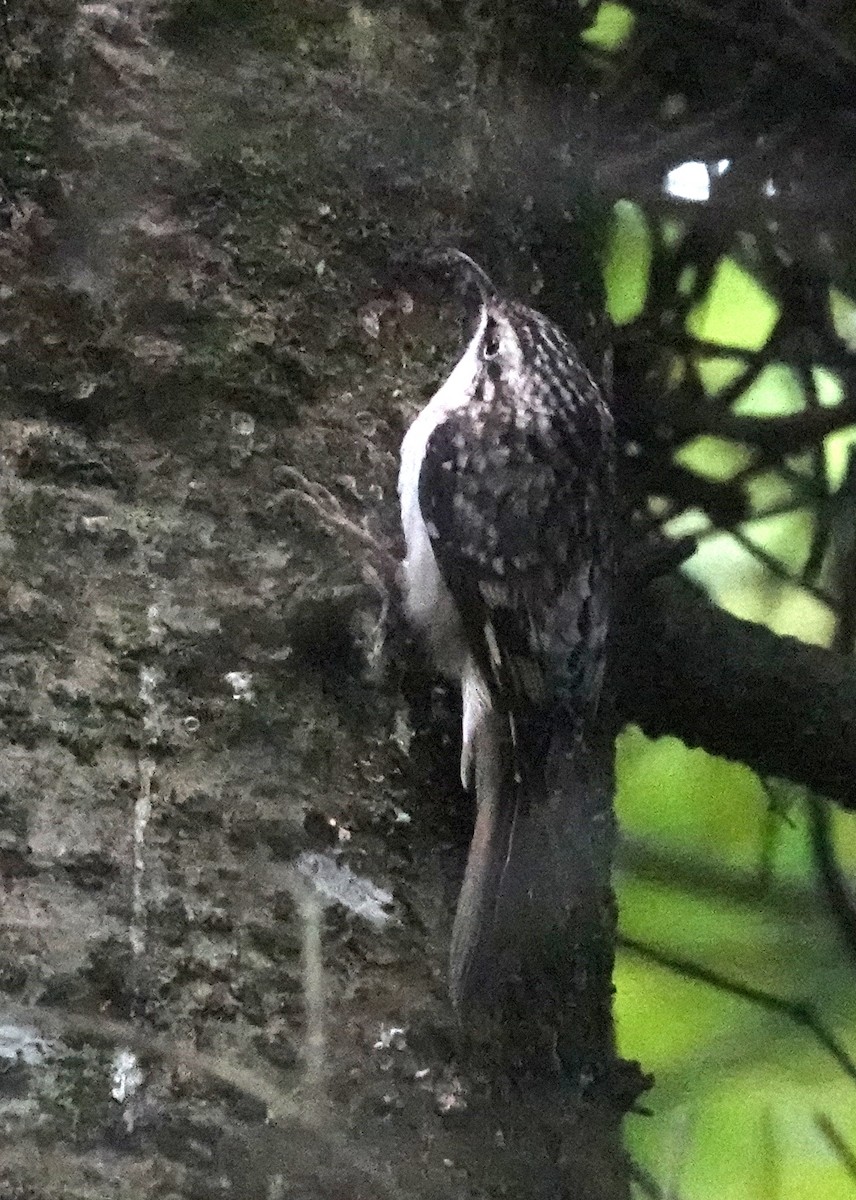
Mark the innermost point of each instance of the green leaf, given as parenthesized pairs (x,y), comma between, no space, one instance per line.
(843,313)
(687,797)
(714,457)
(627,266)
(775,393)
(737,310)
(612,27)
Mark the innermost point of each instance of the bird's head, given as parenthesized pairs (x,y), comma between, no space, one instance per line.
(501,327)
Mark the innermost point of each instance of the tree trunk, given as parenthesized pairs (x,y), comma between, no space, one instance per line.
(232,835)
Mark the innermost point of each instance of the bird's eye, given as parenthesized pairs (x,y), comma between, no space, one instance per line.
(491,341)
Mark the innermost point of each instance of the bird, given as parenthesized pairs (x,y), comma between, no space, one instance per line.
(507,495)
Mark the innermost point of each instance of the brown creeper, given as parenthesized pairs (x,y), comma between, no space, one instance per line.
(506,487)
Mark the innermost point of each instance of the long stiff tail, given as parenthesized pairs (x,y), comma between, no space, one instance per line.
(537,877)
(475,919)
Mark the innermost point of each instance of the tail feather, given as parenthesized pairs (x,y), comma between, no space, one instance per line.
(524,873)
(490,850)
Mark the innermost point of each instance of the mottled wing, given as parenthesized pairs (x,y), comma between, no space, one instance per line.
(516,493)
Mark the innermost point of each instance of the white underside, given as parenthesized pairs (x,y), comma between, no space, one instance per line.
(428,602)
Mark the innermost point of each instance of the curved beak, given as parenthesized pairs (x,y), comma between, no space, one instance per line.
(475,274)
(473,279)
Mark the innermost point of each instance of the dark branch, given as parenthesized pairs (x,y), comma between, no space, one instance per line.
(784,435)
(793,42)
(684,667)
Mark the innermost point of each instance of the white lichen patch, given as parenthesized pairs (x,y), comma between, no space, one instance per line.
(126,1076)
(340,885)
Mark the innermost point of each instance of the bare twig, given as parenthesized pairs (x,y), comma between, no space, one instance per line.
(800,1012)
(779,436)
(839,896)
(843,1152)
(335,520)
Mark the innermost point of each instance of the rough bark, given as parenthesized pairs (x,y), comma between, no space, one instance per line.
(232,834)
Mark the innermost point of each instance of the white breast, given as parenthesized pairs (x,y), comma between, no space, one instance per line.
(428,602)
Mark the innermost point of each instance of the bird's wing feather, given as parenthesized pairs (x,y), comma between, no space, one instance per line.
(513,499)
